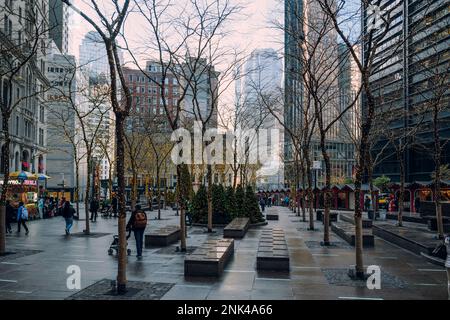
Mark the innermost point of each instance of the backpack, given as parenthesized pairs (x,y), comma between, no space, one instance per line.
(140,220)
(24,213)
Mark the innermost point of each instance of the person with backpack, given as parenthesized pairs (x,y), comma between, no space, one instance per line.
(67,213)
(138,223)
(22,217)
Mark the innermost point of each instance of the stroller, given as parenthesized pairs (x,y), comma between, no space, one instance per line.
(115,244)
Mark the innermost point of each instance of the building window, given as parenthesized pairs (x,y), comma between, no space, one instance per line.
(41,114)
(41,136)
(17,125)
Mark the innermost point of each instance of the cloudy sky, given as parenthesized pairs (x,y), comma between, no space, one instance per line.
(255,29)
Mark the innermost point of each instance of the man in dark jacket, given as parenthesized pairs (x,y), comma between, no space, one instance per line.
(9,216)
(138,223)
(93,207)
(115,205)
(67,213)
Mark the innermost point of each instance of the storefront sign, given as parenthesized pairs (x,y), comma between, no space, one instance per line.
(18,183)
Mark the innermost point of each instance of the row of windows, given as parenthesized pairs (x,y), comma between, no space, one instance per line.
(143,90)
(144,79)
(153,101)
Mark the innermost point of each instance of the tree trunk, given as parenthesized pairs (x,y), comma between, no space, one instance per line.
(438,173)
(159,191)
(210,206)
(372,197)
(77,187)
(5,155)
(87,193)
(401,195)
(120,164)
(309,190)
(134,188)
(326,217)
(181,205)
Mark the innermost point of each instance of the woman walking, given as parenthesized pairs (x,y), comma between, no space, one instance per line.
(22,217)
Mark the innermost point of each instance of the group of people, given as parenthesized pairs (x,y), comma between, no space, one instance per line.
(109,210)
(265,202)
(21,217)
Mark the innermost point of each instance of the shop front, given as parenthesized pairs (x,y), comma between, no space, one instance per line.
(26,191)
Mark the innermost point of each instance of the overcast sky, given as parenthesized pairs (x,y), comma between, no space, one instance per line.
(254,31)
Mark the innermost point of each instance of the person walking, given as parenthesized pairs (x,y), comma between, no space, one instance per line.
(262,203)
(41,208)
(367,203)
(22,217)
(114,204)
(93,207)
(9,216)
(138,223)
(67,213)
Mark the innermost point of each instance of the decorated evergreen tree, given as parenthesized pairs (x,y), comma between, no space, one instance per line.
(230,203)
(218,198)
(252,206)
(199,205)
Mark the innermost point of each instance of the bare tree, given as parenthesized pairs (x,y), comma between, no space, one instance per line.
(111,21)
(185,39)
(344,21)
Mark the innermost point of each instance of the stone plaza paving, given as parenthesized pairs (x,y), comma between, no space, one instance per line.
(38,269)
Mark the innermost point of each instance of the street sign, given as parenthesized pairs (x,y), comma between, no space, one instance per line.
(317,165)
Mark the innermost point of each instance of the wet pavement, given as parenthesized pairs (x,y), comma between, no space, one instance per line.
(38,270)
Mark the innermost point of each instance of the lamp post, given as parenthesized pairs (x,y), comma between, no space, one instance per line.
(447,264)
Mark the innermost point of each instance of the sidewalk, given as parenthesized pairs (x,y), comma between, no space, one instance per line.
(38,270)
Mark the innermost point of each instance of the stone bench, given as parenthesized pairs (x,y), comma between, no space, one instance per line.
(273,253)
(432,223)
(271,214)
(236,228)
(163,237)
(321,214)
(210,259)
(366,223)
(346,231)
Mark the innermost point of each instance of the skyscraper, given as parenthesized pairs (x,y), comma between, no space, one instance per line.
(58,24)
(93,55)
(410,76)
(293,38)
(263,75)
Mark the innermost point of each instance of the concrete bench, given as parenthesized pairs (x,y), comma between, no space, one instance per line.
(432,223)
(273,253)
(209,259)
(321,216)
(366,223)
(271,214)
(163,237)
(236,228)
(346,231)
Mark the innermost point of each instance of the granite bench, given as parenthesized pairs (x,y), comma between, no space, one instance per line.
(163,237)
(273,253)
(210,259)
(272,214)
(346,231)
(236,228)
(366,223)
(321,216)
